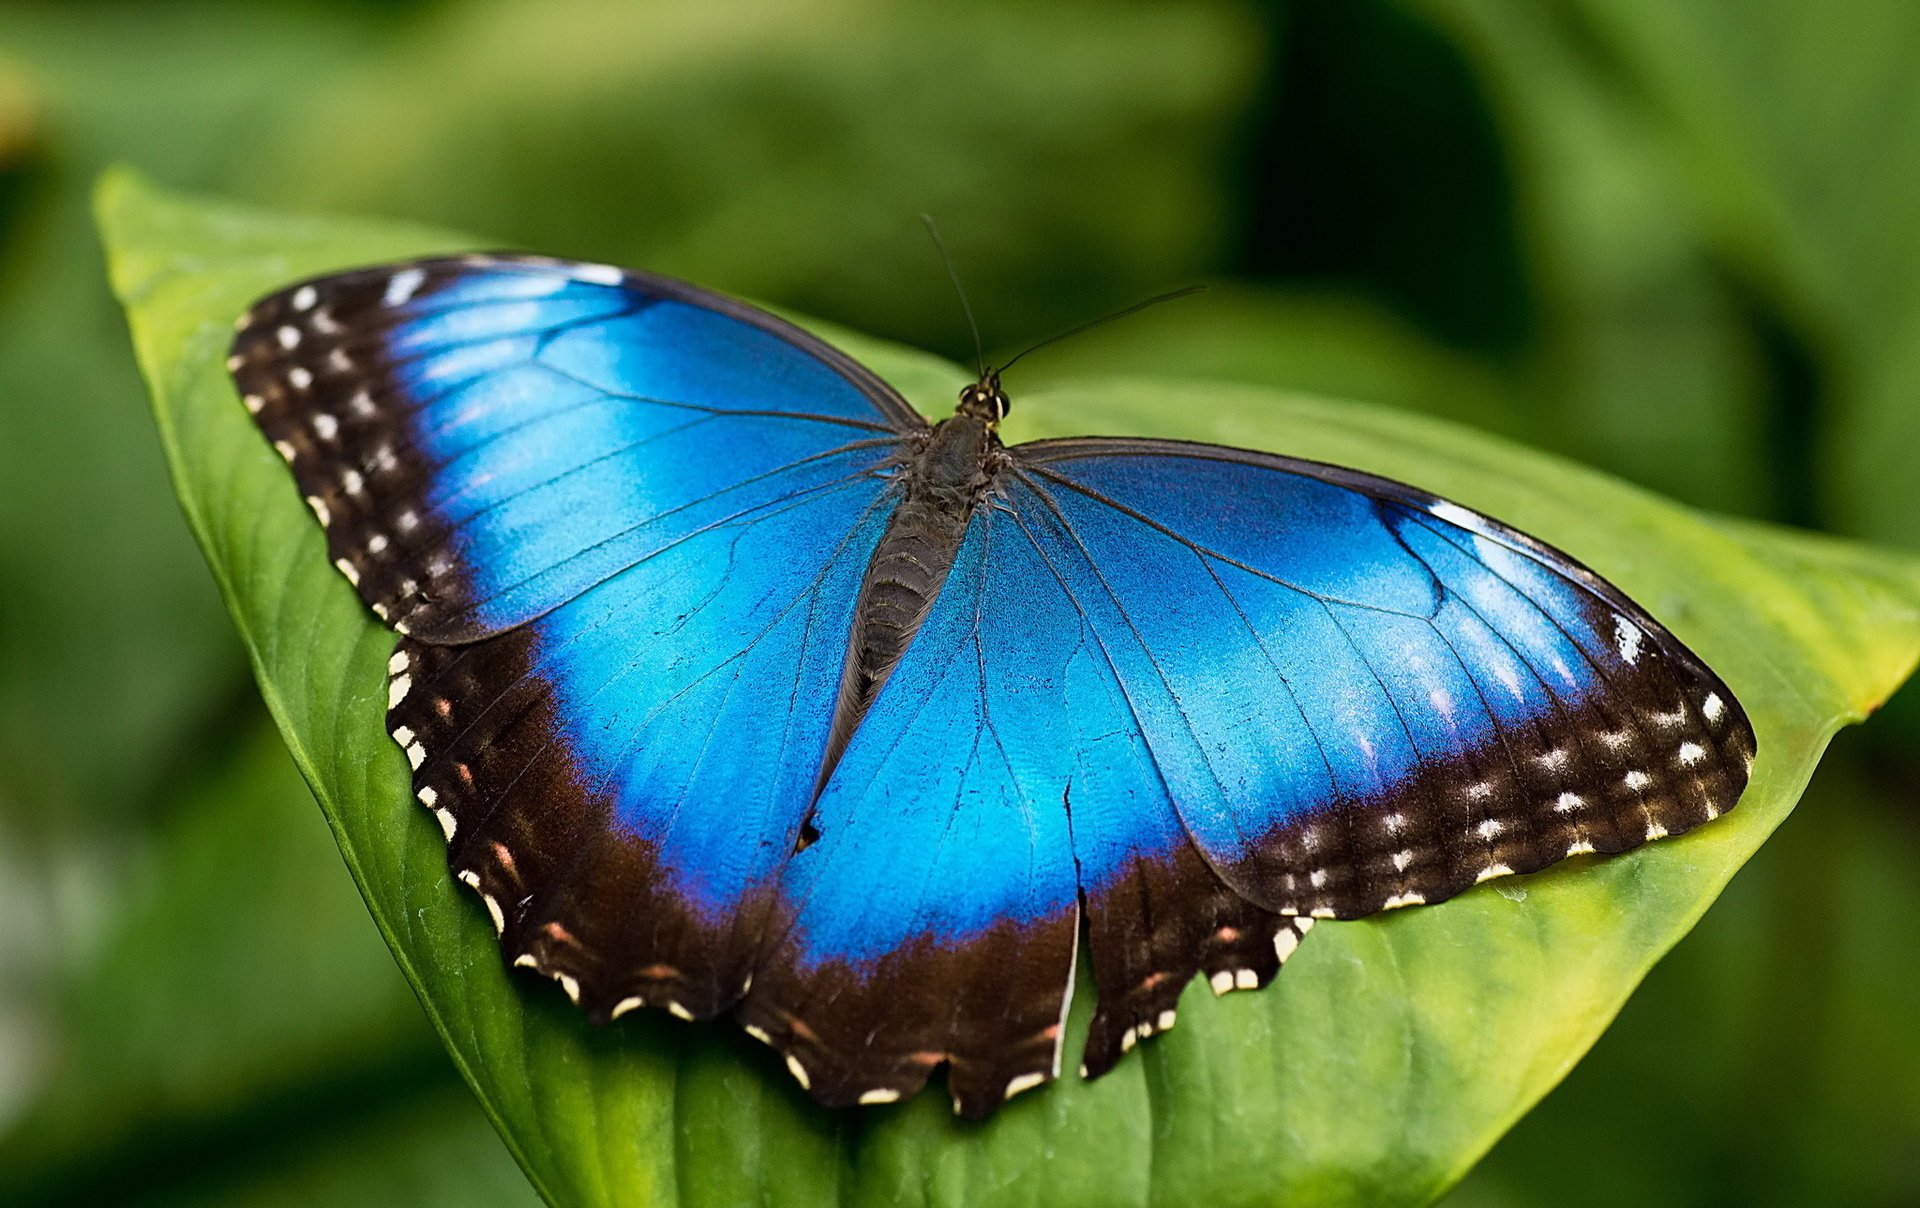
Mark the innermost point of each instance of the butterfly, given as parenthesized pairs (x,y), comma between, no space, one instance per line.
(736,686)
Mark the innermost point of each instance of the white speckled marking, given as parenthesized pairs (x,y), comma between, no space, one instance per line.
(403,285)
(1491,871)
(325,426)
(1490,827)
(1284,943)
(289,337)
(1453,513)
(1025,1082)
(305,297)
(1656,831)
(1692,752)
(1566,803)
(1627,638)
(1581,848)
(1637,780)
(300,377)
(1713,707)
(598,274)
(886,1094)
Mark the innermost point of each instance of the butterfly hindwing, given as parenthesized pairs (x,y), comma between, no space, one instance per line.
(999,788)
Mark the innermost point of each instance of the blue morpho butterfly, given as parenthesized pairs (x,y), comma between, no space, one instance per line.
(738,687)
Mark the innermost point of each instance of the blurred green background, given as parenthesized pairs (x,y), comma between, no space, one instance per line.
(1676,239)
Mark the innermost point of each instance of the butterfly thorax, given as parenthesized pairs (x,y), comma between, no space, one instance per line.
(943,483)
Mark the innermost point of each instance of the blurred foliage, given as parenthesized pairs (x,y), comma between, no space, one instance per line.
(1671,238)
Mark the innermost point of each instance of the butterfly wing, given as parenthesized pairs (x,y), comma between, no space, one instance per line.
(1362,696)
(485,437)
(999,786)
(1200,697)
(623,524)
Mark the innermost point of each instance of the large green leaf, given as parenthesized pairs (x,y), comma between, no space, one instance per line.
(1391,1053)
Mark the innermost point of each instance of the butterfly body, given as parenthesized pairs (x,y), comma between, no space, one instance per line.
(735,686)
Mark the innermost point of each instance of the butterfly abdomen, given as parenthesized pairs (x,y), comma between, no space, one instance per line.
(942,486)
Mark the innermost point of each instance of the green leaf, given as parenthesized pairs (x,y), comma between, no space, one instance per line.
(237,971)
(1390,1055)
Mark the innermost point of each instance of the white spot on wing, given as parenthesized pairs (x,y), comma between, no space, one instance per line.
(886,1094)
(1284,943)
(679,1012)
(319,507)
(1491,871)
(799,1072)
(1403,899)
(1638,780)
(325,426)
(348,569)
(289,337)
(446,822)
(1713,706)
(397,689)
(1692,752)
(403,285)
(300,376)
(1243,979)
(305,297)
(1220,982)
(598,274)
(1025,1082)
(1627,638)
(623,1006)
(1453,513)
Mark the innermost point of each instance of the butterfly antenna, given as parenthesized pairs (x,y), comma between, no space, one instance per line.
(1103,320)
(953,275)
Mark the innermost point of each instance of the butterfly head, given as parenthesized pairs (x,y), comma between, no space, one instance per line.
(985,400)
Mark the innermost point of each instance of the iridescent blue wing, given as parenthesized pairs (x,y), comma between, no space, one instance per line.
(623,523)
(1244,692)
(998,788)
